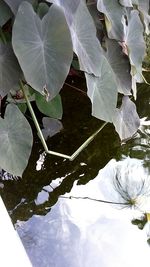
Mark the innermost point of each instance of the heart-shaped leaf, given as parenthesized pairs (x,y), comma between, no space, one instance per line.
(135,43)
(113,13)
(103,92)
(126,119)
(120,65)
(15,141)
(143,6)
(51,127)
(10,71)
(5,13)
(45,56)
(51,108)
(42,9)
(126,3)
(15,4)
(83,35)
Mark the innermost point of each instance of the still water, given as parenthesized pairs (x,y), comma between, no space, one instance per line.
(67,213)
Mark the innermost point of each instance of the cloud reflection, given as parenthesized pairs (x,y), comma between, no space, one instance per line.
(85,233)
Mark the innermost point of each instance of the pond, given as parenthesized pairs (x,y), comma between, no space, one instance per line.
(66,213)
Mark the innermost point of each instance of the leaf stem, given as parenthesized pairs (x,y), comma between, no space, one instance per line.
(85,144)
(34,118)
(76,153)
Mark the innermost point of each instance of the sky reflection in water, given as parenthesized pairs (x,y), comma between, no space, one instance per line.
(85,233)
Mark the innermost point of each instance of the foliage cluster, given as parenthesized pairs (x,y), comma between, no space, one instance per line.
(38,40)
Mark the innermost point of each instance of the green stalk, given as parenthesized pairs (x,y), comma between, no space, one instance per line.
(38,127)
(88,141)
(76,153)
(34,118)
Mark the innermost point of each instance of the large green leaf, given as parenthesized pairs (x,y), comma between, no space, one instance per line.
(43,48)
(126,119)
(5,13)
(113,13)
(143,6)
(15,141)
(83,32)
(51,108)
(10,72)
(14,4)
(120,65)
(42,9)
(135,43)
(103,92)
(126,3)
(102,86)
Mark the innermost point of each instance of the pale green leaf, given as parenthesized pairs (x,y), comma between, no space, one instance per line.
(43,48)
(126,3)
(83,33)
(10,71)
(15,141)
(14,4)
(103,92)
(42,9)
(52,108)
(114,13)
(120,65)
(5,13)
(144,7)
(126,119)
(135,43)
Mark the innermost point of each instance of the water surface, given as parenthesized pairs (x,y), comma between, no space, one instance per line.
(60,231)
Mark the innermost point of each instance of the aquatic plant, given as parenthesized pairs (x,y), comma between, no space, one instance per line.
(38,41)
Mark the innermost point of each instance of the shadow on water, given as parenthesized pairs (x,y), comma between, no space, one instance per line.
(59,231)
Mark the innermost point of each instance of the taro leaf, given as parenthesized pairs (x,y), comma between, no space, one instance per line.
(120,65)
(10,71)
(92,7)
(15,141)
(22,107)
(42,9)
(103,92)
(102,89)
(14,4)
(135,43)
(126,3)
(143,6)
(113,12)
(51,108)
(5,13)
(85,42)
(126,119)
(51,127)
(45,56)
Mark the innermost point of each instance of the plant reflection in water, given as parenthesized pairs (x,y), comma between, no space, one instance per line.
(79,231)
(125,184)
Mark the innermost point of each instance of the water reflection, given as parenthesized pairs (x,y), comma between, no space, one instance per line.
(127,182)
(83,232)
(74,232)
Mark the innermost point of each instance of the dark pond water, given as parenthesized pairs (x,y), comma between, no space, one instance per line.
(57,210)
